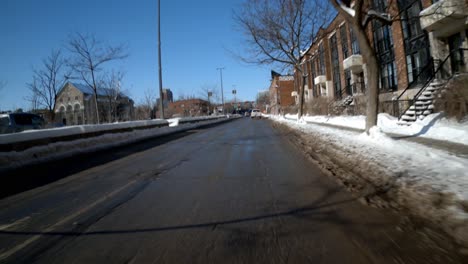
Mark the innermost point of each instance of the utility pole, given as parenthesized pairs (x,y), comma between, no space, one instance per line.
(234,92)
(161,106)
(222,93)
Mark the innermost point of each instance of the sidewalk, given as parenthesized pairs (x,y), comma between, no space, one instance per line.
(456,149)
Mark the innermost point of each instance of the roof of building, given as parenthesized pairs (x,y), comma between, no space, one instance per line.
(87,90)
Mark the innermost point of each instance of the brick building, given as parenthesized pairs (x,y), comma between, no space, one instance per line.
(281,92)
(189,107)
(409,51)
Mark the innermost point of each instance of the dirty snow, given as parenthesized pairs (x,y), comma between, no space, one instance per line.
(434,126)
(422,166)
(69,148)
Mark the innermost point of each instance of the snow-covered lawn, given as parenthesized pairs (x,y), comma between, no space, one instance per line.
(434,126)
(417,169)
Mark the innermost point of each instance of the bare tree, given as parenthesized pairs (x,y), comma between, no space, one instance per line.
(46,83)
(183,96)
(149,103)
(34,100)
(358,17)
(280,31)
(111,87)
(89,57)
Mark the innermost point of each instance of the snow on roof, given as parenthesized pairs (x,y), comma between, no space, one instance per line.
(286,78)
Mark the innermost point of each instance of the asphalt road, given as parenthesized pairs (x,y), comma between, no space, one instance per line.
(233,193)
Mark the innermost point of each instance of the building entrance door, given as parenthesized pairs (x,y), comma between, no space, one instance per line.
(456,56)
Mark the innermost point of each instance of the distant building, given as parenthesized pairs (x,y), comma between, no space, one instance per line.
(76,105)
(189,107)
(281,92)
(167,98)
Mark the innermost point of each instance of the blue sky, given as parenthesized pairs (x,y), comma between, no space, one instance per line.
(196,39)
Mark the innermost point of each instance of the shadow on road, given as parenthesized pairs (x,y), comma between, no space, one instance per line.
(29,177)
(307,212)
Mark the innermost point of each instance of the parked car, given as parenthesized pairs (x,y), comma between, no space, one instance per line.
(246,114)
(256,114)
(17,122)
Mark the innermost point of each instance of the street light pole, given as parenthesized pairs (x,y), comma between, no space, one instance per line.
(234,92)
(161,106)
(222,93)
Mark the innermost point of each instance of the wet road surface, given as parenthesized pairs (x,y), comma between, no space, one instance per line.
(233,193)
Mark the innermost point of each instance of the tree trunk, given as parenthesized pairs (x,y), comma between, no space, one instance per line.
(373,72)
(300,111)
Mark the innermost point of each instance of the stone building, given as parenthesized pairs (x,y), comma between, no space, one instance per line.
(76,105)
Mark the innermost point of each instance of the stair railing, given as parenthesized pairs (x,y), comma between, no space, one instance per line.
(439,69)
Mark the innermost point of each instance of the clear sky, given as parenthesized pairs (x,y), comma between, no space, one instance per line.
(196,39)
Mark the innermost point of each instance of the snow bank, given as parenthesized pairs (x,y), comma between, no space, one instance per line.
(66,149)
(433,183)
(434,126)
(73,130)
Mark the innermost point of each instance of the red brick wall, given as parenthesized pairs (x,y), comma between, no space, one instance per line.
(399,49)
(187,107)
(285,90)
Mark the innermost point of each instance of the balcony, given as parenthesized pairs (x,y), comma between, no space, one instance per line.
(353,63)
(445,17)
(320,79)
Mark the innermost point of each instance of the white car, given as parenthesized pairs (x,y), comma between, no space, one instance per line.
(256,114)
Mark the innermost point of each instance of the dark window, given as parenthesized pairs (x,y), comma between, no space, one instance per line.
(354,42)
(344,41)
(4,121)
(321,69)
(456,56)
(312,76)
(349,89)
(336,66)
(383,43)
(23,119)
(418,62)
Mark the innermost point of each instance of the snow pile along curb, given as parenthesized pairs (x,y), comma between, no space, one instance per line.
(58,150)
(423,182)
(434,126)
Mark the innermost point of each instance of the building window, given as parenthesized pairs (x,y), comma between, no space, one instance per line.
(312,77)
(349,89)
(354,42)
(383,43)
(321,70)
(344,41)
(336,66)
(418,61)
